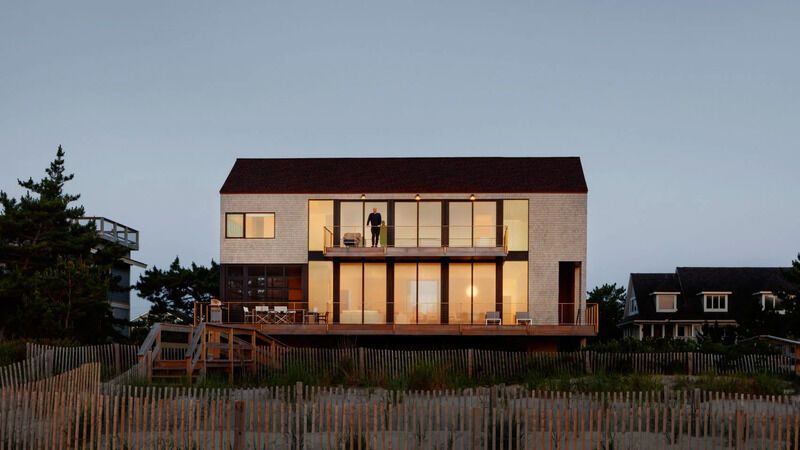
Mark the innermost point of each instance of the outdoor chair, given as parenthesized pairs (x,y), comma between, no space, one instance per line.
(524,318)
(248,314)
(352,239)
(493,318)
(322,317)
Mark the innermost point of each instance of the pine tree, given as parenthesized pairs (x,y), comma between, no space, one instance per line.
(54,272)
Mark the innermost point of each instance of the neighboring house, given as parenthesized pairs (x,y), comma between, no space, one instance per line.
(129,238)
(464,242)
(677,305)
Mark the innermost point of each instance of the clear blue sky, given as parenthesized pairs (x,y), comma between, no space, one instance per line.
(686,114)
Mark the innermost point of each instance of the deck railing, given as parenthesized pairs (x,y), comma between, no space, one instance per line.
(114,231)
(412,236)
(299,312)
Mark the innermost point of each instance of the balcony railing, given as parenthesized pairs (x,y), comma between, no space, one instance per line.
(298,313)
(114,231)
(478,239)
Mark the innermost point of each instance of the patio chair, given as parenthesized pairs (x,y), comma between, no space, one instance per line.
(523,318)
(248,315)
(352,239)
(322,317)
(493,318)
(281,314)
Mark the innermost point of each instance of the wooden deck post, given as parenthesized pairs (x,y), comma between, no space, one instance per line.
(239,435)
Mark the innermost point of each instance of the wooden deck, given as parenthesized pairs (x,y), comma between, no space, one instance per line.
(424,330)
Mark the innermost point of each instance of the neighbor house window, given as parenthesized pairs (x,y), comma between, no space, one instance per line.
(715,302)
(770,302)
(634,308)
(666,302)
(250,225)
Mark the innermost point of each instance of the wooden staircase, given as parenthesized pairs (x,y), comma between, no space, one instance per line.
(180,353)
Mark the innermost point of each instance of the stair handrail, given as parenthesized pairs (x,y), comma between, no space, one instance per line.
(193,352)
(149,342)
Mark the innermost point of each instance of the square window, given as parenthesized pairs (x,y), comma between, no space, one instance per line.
(234,225)
(259,225)
(666,302)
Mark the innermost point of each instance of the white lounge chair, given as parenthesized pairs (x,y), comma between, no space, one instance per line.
(524,318)
(493,318)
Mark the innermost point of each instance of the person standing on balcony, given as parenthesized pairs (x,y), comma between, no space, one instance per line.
(374,221)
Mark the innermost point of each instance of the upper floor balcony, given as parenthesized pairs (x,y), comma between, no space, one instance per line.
(473,242)
(114,231)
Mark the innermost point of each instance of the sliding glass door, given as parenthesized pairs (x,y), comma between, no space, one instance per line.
(471,292)
(417,293)
(362,293)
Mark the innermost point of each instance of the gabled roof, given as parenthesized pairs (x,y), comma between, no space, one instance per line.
(406,175)
(742,282)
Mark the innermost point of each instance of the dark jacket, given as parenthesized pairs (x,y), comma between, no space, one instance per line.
(374,219)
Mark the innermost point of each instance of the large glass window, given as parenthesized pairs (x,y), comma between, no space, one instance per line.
(429,283)
(471,292)
(417,293)
(351,222)
(418,224)
(273,284)
(320,216)
(350,293)
(460,224)
(362,293)
(405,293)
(405,224)
(430,224)
(485,224)
(515,218)
(459,293)
(483,290)
(320,286)
(515,290)
(374,293)
(353,218)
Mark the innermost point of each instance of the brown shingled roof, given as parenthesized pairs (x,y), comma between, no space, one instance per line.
(405,175)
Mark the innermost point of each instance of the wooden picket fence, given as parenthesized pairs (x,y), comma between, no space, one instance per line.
(75,410)
(381,363)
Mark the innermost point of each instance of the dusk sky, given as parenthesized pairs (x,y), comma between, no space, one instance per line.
(686,114)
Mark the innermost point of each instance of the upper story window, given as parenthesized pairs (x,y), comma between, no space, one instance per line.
(770,302)
(716,302)
(666,301)
(250,225)
(515,217)
(634,307)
